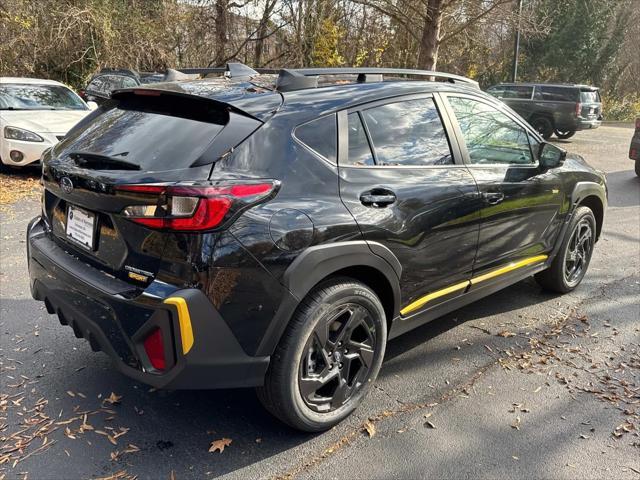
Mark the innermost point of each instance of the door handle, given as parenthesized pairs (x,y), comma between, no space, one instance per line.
(378,198)
(493,198)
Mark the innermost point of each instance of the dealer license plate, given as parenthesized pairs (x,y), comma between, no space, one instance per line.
(81,226)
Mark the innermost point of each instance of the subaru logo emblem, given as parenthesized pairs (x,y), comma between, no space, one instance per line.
(66,185)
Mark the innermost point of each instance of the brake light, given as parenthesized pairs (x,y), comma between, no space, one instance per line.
(638,123)
(154,346)
(192,207)
(578,109)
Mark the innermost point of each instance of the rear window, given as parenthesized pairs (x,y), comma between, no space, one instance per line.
(321,136)
(589,96)
(155,132)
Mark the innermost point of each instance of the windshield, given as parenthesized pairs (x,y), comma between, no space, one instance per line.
(14,96)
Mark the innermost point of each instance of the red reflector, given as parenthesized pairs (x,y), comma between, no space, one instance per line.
(638,123)
(154,346)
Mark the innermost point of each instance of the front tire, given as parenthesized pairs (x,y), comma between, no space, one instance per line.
(328,357)
(572,261)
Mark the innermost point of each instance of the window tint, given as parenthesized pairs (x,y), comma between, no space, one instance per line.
(517,91)
(321,136)
(556,94)
(359,149)
(408,133)
(496,91)
(490,135)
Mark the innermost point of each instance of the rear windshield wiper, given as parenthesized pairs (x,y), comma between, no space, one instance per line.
(98,161)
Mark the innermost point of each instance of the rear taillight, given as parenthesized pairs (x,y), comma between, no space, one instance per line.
(192,207)
(638,123)
(154,347)
(578,109)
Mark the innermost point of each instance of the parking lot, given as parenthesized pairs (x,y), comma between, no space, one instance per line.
(520,384)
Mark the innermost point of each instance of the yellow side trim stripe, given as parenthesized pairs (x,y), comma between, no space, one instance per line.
(481,278)
(508,268)
(433,295)
(184,320)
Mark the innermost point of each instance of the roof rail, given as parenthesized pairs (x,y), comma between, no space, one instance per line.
(366,74)
(290,79)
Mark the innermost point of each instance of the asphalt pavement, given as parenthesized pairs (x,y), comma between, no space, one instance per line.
(523,384)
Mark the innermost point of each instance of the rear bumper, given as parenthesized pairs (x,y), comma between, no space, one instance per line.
(116,318)
(584,124)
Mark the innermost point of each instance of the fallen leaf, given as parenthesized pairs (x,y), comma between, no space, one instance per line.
(220,444)
(506,334)
(113,399)
(370,428)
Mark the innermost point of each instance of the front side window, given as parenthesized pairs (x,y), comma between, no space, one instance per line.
(408,133)
(521,92)
(491,136)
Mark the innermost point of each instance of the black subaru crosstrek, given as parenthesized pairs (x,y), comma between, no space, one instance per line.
(276,231)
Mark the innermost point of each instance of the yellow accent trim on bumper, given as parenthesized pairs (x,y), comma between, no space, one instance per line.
(184,319)
(509,268)
(433,295)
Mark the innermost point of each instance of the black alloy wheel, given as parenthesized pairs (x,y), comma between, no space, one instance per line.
(338,357)
(572,260)
(578,252)
(328,356)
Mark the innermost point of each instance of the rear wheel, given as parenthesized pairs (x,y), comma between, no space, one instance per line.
(328,357)
(638,168)
(544,126)
(564,134)
(571,263)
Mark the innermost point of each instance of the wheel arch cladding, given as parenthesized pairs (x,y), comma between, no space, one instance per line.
(592,195)
(376,267)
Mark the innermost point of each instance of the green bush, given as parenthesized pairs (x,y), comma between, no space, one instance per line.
(624,109)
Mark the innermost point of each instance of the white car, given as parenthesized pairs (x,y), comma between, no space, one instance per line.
(34,115)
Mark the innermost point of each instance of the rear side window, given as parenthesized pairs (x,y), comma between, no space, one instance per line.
(321,136)
(556,94)
(408,133)
(153,132)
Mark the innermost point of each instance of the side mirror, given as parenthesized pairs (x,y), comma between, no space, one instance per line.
(92,105)
(551,156)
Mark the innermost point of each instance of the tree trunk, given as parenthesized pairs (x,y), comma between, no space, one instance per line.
(221,31)
(430,40)
(263,29)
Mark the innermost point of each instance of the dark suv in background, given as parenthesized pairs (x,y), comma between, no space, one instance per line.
(553,108)
(634,148)
(275,231)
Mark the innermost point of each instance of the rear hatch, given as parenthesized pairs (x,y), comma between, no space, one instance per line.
(142,137)
(590,103)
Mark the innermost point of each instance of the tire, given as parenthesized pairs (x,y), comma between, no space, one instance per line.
(543,125)
(572,261)
(638,168)
(564,134)
(296,388)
